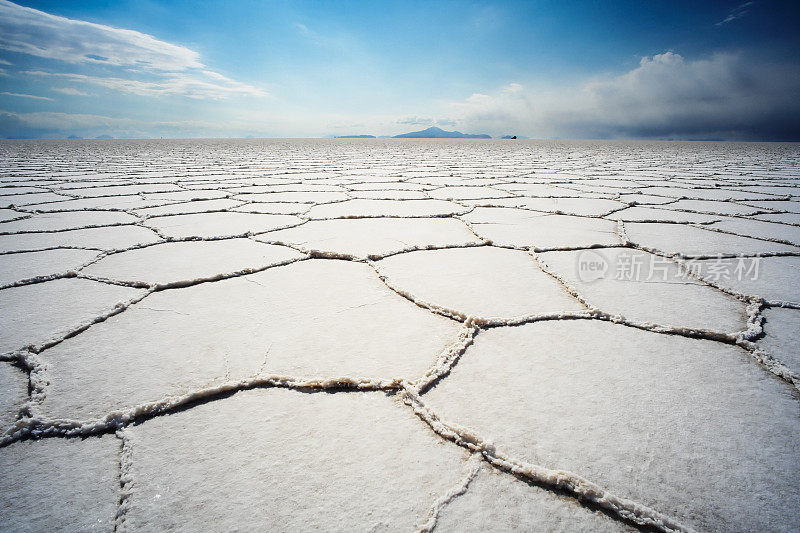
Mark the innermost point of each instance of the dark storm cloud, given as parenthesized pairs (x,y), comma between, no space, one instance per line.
(726,96)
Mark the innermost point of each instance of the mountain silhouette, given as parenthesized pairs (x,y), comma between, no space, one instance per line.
(438,133)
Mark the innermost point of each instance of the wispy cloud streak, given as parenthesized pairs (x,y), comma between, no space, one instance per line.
(736,13)
(145,66)
(29,96)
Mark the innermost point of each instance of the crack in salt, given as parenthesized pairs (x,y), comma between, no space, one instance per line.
(655,179)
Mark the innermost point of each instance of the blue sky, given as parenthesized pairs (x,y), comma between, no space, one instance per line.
(540,69)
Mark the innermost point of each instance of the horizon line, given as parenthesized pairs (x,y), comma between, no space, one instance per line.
(392,137)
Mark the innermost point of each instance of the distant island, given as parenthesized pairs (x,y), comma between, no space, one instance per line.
(438,133)
(431,133)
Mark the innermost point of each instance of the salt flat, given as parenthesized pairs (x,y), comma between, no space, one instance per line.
(399,335)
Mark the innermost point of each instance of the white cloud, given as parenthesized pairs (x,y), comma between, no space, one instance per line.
(174,83)
(31,96)
(479,99)
(177,69)
(54,124)
(735,13)
(70,91)
(34,32)
(233,123)
(665,96)
(414,120)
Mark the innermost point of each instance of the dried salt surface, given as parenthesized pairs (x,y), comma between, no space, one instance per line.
(25,266)
(261,324)
(294,196)
(661,214)
(60,485)
(10,189)
(38,313)
(479,282)
(389,195)
(385,208)
(694,241)
(782,339)
(717,208)
(569,206)
(699,193)
(199,206)
(374,236)
(646,288)
(537,189)
(205,225)
(122,190)
(10,214)
(781,205)
(209,329)
(466,193)
(13,393)
(386,183)
(450,181)
(516,227)
(498,502)
(102,238)
(646,199)
(112,203)
(188,196)
(17,200)
(294,186)
(277,208)
(67,220)
(691,427)
(761,230)
(785,218)
(309,461)
(772,278)
(189,261)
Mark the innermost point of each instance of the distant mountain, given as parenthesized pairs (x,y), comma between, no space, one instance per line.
(74,137)
(104,137)
(438,133)
(354,137)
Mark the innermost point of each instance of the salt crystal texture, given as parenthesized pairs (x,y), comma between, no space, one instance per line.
(189,261)
(495,501)
(60,484)
(657,419)
(261,325)
(399,334)
(13,393)
(42,312)
(479,282)
(281,459)
(363,237)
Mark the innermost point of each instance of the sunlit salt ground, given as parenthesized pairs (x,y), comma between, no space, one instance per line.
(399,335)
